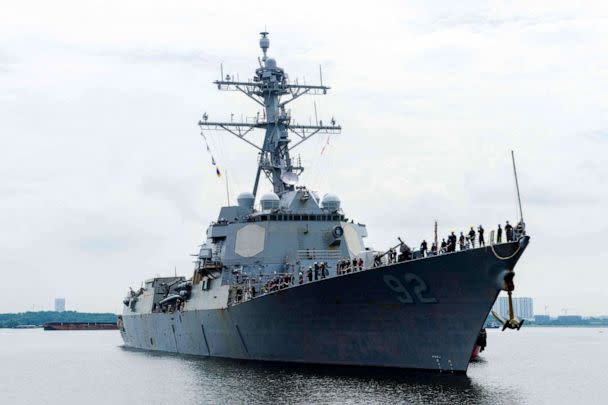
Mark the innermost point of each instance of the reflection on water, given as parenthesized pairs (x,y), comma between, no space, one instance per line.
(265,382)
(534,365)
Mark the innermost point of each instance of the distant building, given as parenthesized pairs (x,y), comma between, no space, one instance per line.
(59,304)
(569,319)
(542,318)
(522,306)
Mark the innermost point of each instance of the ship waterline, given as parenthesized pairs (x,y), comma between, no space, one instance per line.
(422,314)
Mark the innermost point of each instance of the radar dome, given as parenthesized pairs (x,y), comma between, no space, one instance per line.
(264,43)
(331,202)
(270,201)
(271,63)
(246,200)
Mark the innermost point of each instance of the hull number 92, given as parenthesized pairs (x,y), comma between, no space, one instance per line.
(412,289)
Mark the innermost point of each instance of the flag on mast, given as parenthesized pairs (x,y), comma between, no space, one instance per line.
(217,169)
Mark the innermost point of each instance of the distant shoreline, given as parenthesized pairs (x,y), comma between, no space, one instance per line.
(35,319)
(577,321)
(566,326)
(532,325)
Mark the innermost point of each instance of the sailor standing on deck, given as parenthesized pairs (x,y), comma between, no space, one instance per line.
(480,231)
(423,248)
(509,232)
(316,271)
(461,241)
(452,242)
(519,230)
(309,273)
(499,234)
(472,237)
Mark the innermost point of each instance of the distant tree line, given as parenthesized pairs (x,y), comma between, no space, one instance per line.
(571,321)
(574,320)
(41,317)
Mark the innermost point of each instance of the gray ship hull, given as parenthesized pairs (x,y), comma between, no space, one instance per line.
(420,314)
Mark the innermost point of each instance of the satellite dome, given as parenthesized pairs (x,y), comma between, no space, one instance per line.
(271,63)
(246,200)
(270,201)
(331,202)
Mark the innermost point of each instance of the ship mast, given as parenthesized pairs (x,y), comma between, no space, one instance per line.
(271,89)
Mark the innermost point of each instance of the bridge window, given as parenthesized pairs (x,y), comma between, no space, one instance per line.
(296,217)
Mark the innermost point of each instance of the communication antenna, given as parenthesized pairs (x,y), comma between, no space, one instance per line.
(271,89)
(227,189)
(264,43)
(521,215)
(320,76)
(436,241)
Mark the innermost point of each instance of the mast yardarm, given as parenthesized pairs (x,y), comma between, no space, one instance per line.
(271,89)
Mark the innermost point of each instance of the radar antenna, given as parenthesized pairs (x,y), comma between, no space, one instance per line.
(272,90)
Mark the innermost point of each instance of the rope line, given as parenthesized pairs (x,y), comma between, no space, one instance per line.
(508,257)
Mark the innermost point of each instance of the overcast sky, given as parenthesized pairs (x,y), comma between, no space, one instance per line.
(105,181)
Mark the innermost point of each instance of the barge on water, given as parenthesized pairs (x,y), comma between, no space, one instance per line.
(80,326)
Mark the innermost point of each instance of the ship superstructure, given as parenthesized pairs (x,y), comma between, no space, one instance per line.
(292,279)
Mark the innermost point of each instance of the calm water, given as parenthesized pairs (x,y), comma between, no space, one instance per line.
(536,365)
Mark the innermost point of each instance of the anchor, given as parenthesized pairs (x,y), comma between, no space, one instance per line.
(512,322)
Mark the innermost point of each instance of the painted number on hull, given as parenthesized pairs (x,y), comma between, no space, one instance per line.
(415,285)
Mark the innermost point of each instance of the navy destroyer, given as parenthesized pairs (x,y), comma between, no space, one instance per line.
(290,278)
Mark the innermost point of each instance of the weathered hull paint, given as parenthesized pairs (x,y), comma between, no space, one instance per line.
(354,319)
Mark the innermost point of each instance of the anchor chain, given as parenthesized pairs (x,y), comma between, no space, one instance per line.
(512,322)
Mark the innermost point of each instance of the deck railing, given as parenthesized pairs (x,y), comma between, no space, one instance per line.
(314,254)
(269,283)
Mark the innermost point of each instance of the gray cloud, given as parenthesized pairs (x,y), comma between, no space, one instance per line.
(173,191)
(188,57)
(104,179)
(7,62)
(598,135)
